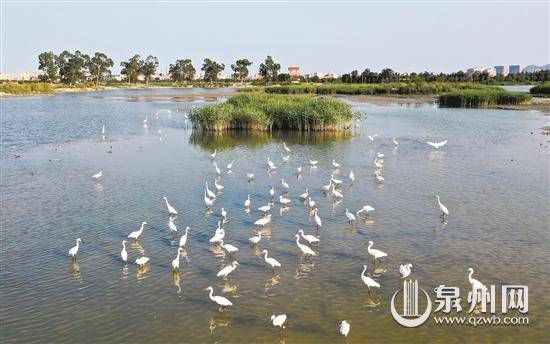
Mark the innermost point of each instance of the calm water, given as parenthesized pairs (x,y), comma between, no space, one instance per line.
(492,175)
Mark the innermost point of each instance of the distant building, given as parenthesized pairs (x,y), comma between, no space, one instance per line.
(501,70)
(254,77)
(479,70)
(317,74)
(514,69)
(25,76)
(294,71)
(331,75)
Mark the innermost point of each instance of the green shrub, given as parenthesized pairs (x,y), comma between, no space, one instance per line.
(483,98)
(540,89)
(26,88)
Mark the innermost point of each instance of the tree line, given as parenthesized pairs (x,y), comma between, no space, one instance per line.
(75,67)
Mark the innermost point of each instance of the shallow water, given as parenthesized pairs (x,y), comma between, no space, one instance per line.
(492,175)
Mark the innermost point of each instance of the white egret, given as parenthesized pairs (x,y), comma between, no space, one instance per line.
(123,253)
(379,178)
(209,192)
(336,182)
(220,300)
(351,176)
(368,280)
(224,214)
(344,328)
(371,138)
(256,239)
(350,216)
(218,186)
(305,194)
(313,162)
(305,249)
(476,285)
(285,158)
(213,155)
(250,177)
(135,234)
(366,208)
(227,270)
(183,238)
(380,155)
(308,237)
(263,221)
(335,165)
(437,145)
(271,261)
(218,171)
(327,187)
(171,209)
(142,261)
(265,208)
(74,250)
(405,270)
(247,202)
(299,170)
(286,148)
(395,142)
(230,165)
(310,202)
(377,254)
(285,184)
(443,209)
(317,219)
(284,201)
(172,225)
(207,201)
(378,164)
(228,247)
(336,193)
(97,175)
(270,164)
(278,320)
(103,130)
(176,261)
(272,191)
(218,236)
(145,122)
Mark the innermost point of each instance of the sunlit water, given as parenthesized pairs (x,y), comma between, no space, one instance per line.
(492,175)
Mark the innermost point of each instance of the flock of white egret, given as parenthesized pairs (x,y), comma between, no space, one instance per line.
(333,189)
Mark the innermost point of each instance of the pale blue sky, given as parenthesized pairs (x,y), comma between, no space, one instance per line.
(407,37)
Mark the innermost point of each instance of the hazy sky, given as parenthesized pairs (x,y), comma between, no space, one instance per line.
(414,36)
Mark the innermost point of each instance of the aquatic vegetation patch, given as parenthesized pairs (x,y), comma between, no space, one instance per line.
(26,88)
(483,98)
(543,89)
(258,111)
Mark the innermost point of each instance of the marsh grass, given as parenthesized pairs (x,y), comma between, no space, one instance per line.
(543,89)
(483,98)
(26,88)
(258,111)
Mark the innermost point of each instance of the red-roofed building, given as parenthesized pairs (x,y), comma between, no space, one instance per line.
(294,71)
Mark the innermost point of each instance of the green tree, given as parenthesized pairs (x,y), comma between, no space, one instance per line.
(132,68)
(269,69)
(240,69)
(149,67)
(99,66)
(182,70)
(72,67)
(211,69)
(47,64)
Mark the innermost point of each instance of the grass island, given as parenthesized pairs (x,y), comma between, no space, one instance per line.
(259,111)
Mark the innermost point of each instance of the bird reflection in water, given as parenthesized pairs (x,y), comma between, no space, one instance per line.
(98,187)
(256,250)
(372,301)
(176,279)
(227,287)
(247,210)
(436,155)
(219,321)
(377,270)
(272,281)
(125,271)
(367,221)
(217,250)
(142,270)
(304,267)
(75,268)
(283,210)
(136,246)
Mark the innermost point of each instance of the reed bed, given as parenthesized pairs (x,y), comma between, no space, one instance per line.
(483,98)
(543,89)
(26,88)
(258,111)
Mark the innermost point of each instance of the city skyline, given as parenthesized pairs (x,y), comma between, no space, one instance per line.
(322,37)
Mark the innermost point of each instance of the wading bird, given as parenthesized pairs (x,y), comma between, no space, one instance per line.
(213,155)
(218,186)
(227,270)
(171,209)
(172,225)
(220,300)
(405,270)
(271,261)
(285,185)
(142,261)
(317,219)
(476,285)
(350,216)
(74,250)
(209,192)
(443,208)
(308,237)
(395,142)
(247,202)
(207,201)
(264,209)
(183,238)
(304,195)
(285,202)
(351,176)
(437,145)
(135,234)
(305,249)
(377,254)
(176,261)
(286,148)
(97,175)
(367,280)
(335,165)
(123,253)
(228,247)
(278,320)
(367,209)
(344,328)
(263,221)
(256,239)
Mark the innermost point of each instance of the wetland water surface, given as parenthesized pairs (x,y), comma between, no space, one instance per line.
(492,175)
